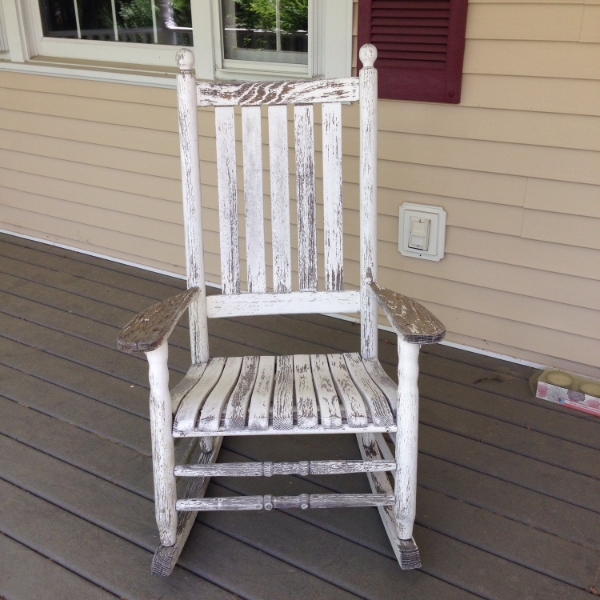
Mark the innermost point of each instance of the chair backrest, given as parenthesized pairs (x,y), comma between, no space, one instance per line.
(302,95)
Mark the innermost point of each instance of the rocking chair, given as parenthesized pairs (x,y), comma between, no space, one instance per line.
(266,395)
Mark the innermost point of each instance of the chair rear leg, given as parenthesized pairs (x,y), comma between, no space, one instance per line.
(405,489)
(163,446)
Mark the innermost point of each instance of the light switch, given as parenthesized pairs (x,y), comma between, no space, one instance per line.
(422,231)
(419,233)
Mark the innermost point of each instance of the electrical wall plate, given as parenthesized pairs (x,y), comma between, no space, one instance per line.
(411,218)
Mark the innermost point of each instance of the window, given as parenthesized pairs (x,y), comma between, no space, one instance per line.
(139,21)
(232,39)
(420,47)
(267,31)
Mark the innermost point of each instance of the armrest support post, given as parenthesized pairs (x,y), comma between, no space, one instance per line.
(407,438)
(163,448)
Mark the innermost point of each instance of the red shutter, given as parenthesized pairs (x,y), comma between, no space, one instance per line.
(420,46)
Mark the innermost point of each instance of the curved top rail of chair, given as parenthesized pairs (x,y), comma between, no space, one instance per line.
(150,328)
(277,92)
(411,321)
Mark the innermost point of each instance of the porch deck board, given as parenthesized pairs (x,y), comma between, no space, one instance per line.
(509,492)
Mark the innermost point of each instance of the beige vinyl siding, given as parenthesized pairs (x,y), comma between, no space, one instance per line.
(516,166)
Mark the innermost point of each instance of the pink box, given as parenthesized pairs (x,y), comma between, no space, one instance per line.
(569,390)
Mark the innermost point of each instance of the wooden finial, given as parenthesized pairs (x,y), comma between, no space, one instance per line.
(185,59)
(368,55)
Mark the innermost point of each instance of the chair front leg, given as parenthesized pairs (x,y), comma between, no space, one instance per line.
(407,438)
(163,447)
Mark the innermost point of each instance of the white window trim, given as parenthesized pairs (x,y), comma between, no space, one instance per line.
(330,49)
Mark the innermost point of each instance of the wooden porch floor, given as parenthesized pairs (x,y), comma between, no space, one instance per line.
(509,490)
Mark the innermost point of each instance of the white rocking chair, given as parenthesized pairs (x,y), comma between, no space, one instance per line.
(326,394)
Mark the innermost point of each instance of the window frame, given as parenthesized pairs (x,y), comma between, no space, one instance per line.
(331,30)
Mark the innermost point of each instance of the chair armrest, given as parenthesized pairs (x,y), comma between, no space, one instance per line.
(411,321)
(150,328)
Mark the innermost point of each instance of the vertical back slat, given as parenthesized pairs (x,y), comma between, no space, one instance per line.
(227,186)
(280,198)
(253,199)
(305,192)
(332,196)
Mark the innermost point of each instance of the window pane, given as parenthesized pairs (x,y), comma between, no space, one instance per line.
(141,21)
(266,30)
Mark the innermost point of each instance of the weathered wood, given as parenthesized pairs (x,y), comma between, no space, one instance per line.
(407,435)
(228,207)
(332,196)
(306,400)
(268,469)
(383,380)
(260,403)
(411,321)
(372,395)
(253,199)
(181,390)
(150,328)
(235,415)
(368,198)
(210,414)
(329,405)
(373,447)
(283,396)
(234,503)
(354,406)
(186,416)
(165,558)
(292,430)
(277,92)
(163,448)
(220,306)
(349,500)
(306,198)
(280,198)
(303,501)
(192,202)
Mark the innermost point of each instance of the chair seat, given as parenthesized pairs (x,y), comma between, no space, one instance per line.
(264,395)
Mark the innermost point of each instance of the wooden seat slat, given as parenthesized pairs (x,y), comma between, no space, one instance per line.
(332,196)
(260,403)
(280,198)
(299,393)
(182,389)
(329,404)
(228,209)
(306,399)
(253,198)
(372,395)
(283,396)
(235,415)
(384,382)
(186,416)
(210,415)
(306,197)
(354,406)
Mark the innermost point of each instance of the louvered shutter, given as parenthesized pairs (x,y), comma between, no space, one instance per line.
(420,46)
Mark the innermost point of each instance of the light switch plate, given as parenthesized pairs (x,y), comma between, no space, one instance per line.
(437,230)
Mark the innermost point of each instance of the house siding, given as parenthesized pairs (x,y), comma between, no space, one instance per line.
(516,166)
